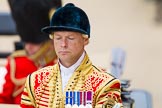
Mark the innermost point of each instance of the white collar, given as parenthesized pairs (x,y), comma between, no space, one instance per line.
(66,73)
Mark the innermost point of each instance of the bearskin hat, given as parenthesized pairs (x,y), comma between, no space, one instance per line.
(30,16)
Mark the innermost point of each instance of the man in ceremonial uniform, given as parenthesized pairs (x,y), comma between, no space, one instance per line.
(74,81)
(30,16)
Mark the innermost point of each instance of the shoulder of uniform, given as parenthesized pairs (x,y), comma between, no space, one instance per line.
(18,53)
(100,69)
(47,71)
(103,73)
(41,76)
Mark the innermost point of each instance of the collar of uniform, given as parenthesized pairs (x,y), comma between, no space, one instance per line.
(85,66)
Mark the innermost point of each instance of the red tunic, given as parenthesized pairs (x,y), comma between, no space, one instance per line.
(24,66)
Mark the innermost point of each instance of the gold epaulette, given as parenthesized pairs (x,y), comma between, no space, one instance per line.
(18,53)
(17,82)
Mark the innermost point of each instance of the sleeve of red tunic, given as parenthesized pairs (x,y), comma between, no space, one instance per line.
(27,98)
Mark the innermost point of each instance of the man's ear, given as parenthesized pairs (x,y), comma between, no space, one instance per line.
(86,41)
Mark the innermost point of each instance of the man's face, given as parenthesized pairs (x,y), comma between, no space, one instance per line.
(32,48)
(69,46)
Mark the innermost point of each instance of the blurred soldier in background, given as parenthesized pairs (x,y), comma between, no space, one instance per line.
(30,16)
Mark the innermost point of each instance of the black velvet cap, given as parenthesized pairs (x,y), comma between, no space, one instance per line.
(69,18)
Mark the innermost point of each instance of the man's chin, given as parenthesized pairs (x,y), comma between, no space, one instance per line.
(31,53)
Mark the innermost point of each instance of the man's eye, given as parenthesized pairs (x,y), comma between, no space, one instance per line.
(70,38)
(57,38)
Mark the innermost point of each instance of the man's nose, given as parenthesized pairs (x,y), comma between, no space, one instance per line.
(63,42)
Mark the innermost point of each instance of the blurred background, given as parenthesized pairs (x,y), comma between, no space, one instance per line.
(134,25)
